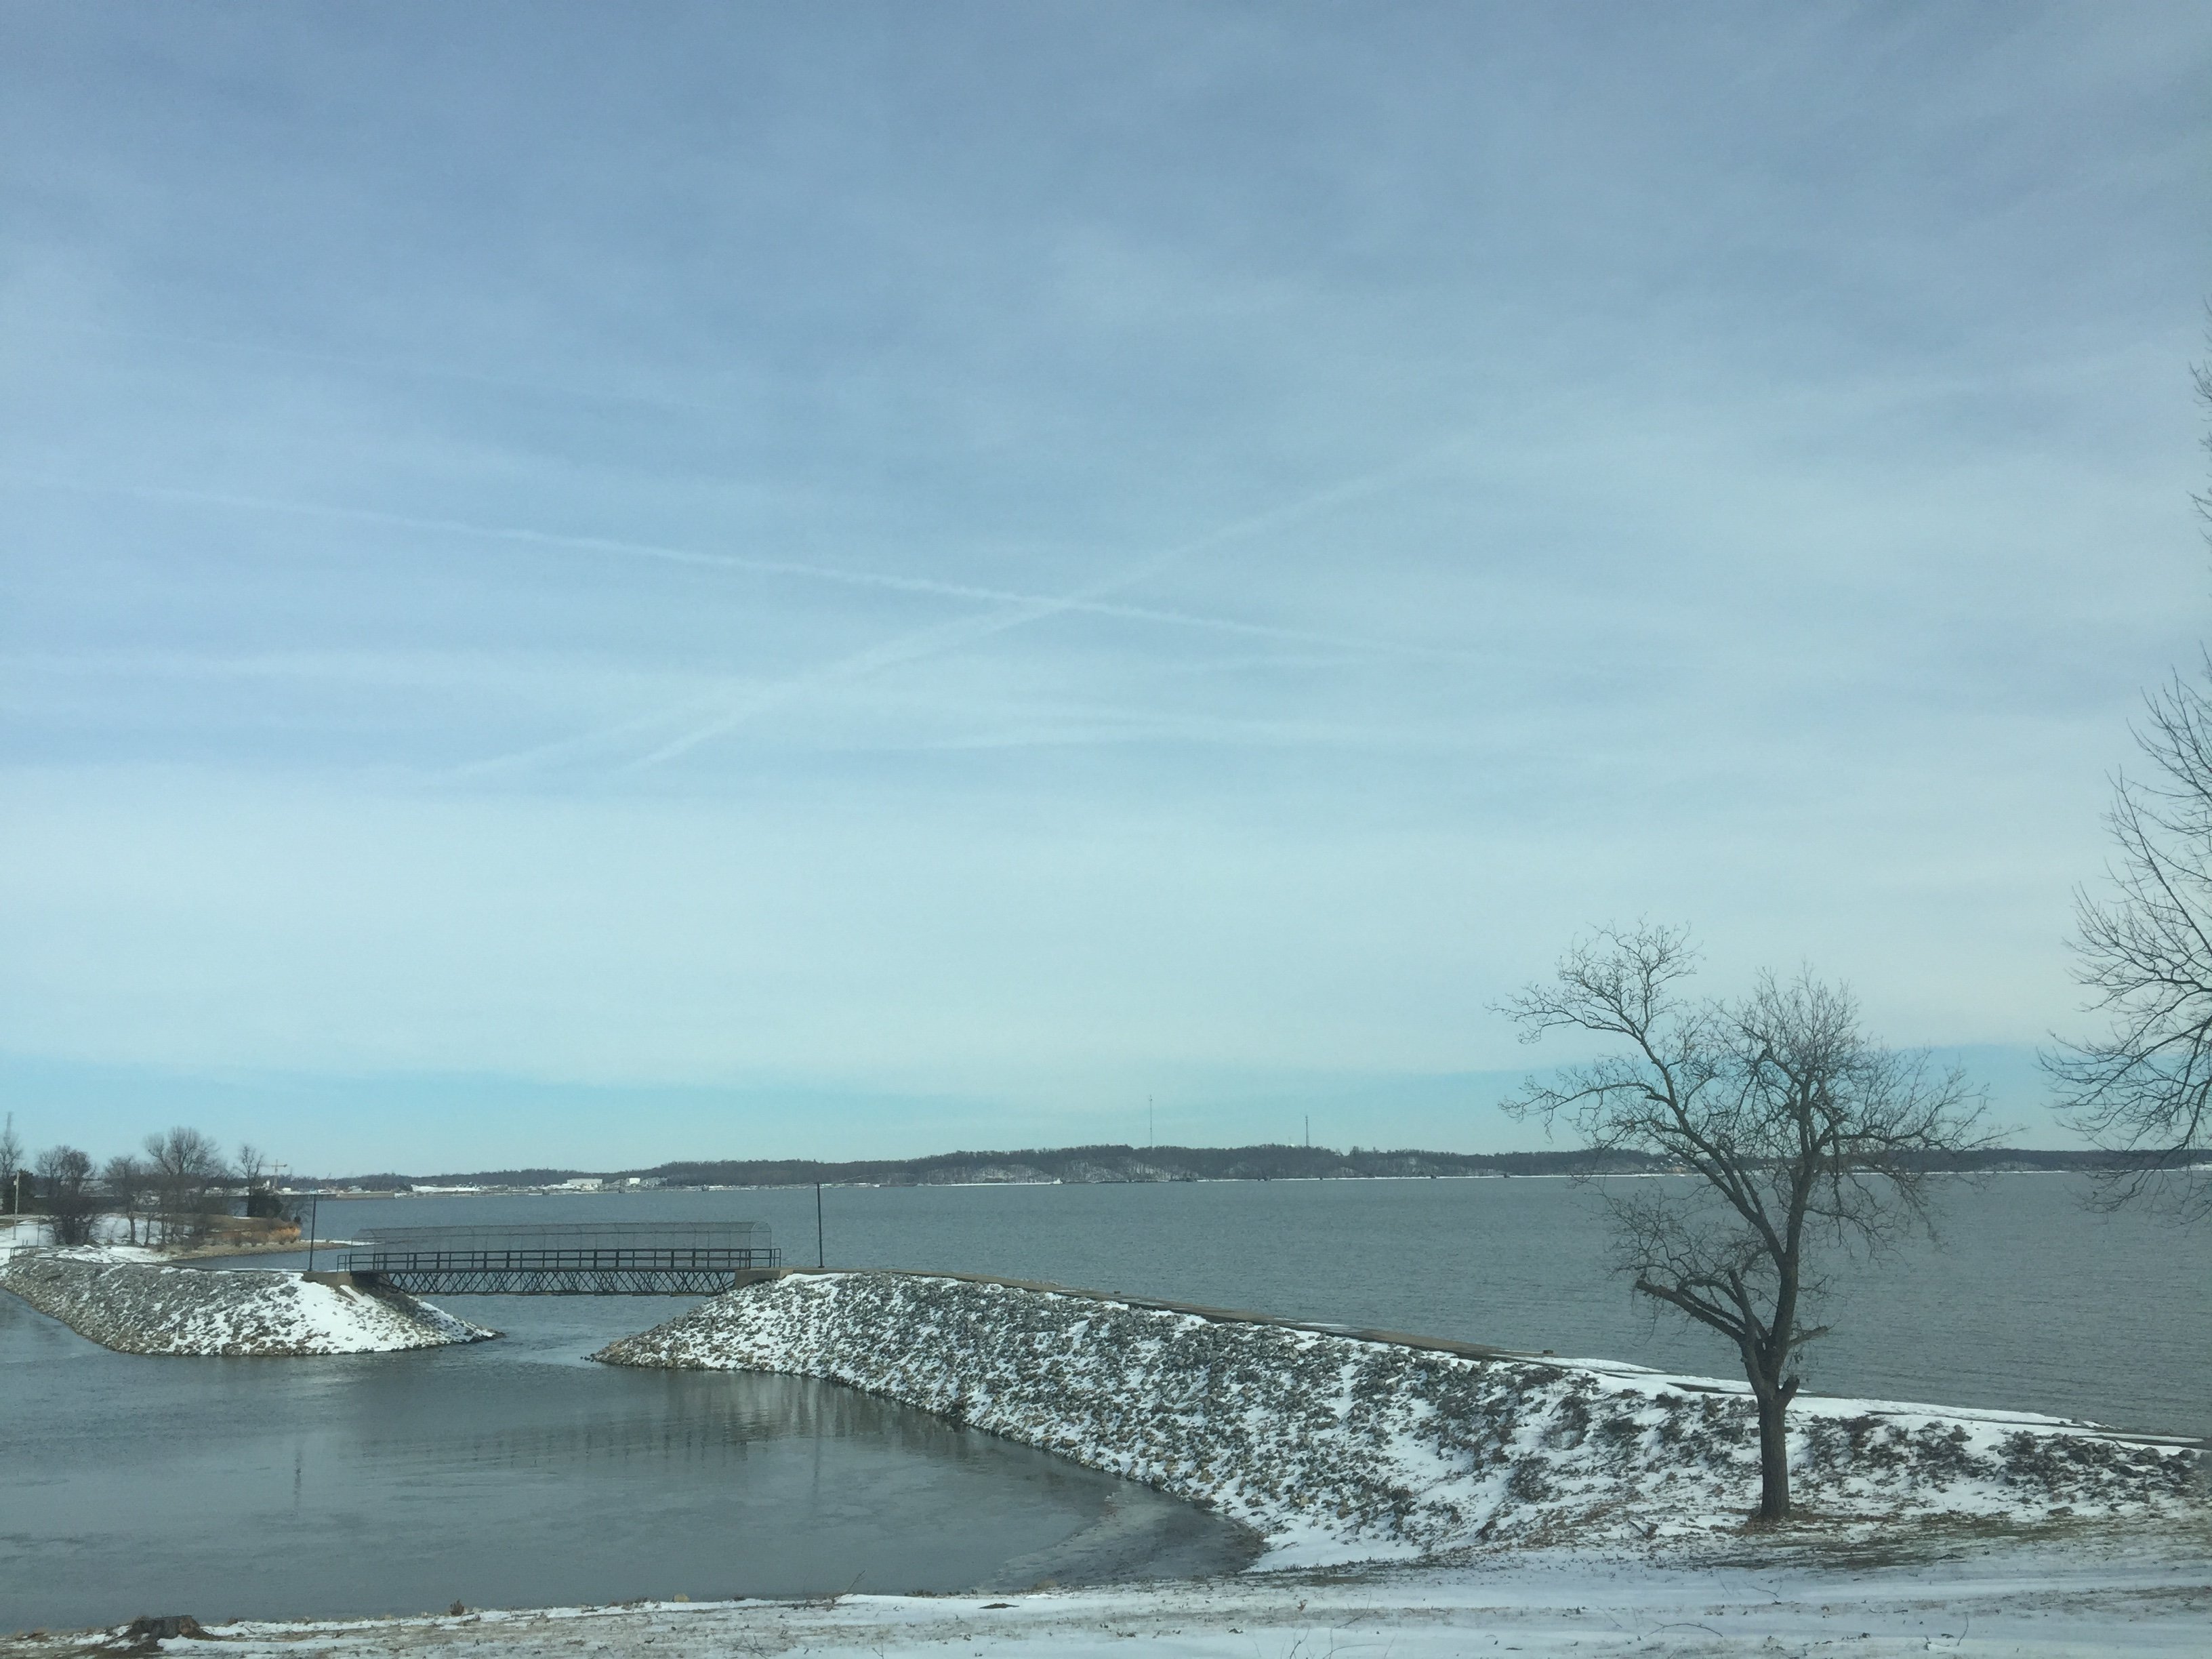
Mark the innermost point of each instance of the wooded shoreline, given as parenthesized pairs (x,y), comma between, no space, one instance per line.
(1110,1163)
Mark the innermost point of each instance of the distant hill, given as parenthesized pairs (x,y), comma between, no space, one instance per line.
(1117,1163)
(1123,1163)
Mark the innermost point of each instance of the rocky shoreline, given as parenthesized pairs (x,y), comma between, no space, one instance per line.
(1341,1448)
(145,1308)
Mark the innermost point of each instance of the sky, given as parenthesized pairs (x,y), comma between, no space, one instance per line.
(591,585)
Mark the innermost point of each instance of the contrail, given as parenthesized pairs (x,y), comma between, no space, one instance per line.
(1012,609)
(904,647)
(1026,609)
(752,564)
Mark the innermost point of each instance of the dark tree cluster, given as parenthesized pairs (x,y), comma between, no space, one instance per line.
(170,1192)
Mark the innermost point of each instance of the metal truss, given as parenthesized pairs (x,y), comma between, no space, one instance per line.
(563,1273)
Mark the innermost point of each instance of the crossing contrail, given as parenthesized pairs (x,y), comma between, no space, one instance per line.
(755,564)
(1009,609)
(1024,610)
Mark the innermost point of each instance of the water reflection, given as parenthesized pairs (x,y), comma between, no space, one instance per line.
(684,1417)
(507,1473)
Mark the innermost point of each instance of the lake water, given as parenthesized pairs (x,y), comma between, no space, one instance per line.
(514,1472)
(2030,1301)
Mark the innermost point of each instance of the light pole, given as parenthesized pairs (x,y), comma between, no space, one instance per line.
(315,1201)
(820,1258)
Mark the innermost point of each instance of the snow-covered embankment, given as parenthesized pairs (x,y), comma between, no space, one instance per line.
(143,1308)
(1338,1449)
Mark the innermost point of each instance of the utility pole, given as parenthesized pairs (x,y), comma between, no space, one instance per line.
(821,1258)
(314,1205)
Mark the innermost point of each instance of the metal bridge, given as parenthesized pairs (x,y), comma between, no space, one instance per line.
(679,1258)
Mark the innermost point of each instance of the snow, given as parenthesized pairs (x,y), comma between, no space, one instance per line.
(1554,1506)
(124,1299)
(1338,1449)
(2058,1599)
(19,1233)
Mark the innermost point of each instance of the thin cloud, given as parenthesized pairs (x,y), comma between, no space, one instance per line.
(1088,600)
(922,643)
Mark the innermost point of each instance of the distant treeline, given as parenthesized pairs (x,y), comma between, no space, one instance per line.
(1124,1164)
(1152,1163)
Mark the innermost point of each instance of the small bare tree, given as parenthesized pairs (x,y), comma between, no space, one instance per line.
(185,1164)
(65,1188)
(1798,1132)
(124,1179)
(11,1162)
(258,1174)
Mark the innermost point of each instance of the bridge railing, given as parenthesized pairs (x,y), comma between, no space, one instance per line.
(625,1259)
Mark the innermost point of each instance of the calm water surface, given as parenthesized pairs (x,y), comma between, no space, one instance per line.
(2030,1302)
(513,1472)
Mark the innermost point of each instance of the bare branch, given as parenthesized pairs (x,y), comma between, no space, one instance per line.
(2143,1088)
(1798,1134)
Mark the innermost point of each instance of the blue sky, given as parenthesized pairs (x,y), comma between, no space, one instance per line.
(593,585)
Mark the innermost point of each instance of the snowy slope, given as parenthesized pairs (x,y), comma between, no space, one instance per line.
(139,1308)
(1336,1449)
(1975,1600)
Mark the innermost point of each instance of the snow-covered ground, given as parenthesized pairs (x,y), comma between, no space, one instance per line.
(1339,1449)
(124,1299)
(20,1232)
(2059,1598)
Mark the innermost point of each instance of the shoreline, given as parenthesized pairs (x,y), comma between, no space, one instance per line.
(1338,1447)
(158,1307)
(2062,1595)
(1355,1177)
(1686,1382)
(2052,1584)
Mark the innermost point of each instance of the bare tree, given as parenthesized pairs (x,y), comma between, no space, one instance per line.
(65,1188)
(11,1162)
(124,1179)
(2143,1088)
(255,1171)
(186,1163)
(2144,953)
(1801,1136)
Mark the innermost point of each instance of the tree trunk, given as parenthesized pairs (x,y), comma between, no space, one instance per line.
(1773,1455)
